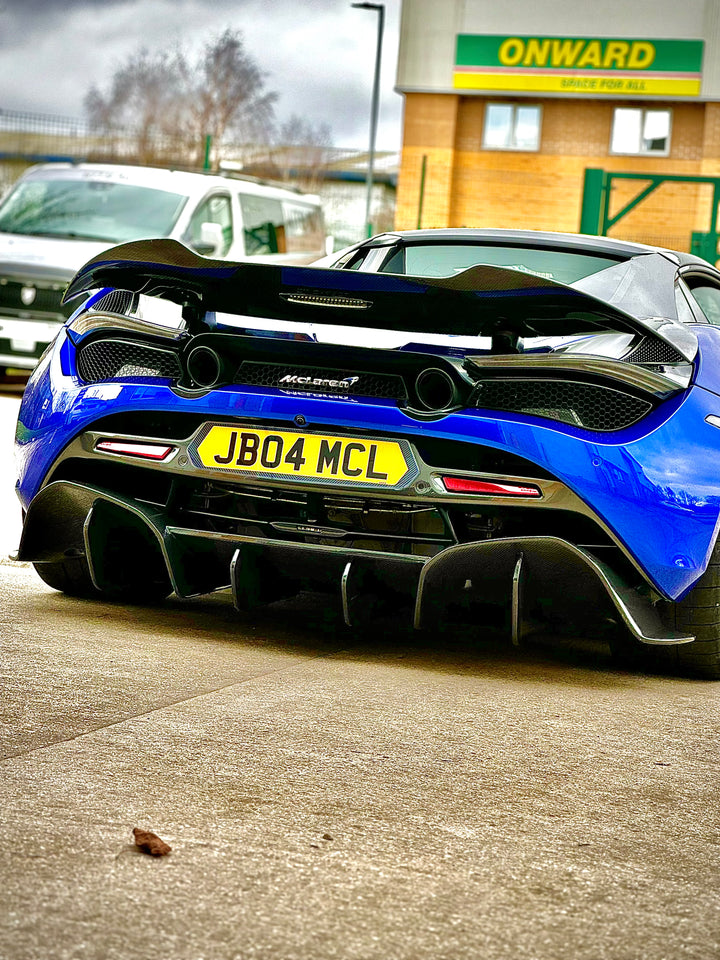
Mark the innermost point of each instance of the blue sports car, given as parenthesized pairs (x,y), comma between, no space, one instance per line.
(446,419)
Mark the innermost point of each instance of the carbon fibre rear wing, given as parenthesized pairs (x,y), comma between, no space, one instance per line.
(481,301)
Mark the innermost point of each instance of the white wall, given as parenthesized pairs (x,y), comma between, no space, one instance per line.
(428,29)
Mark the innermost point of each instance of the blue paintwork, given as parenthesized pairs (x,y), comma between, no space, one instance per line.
(708,359)
(656,485)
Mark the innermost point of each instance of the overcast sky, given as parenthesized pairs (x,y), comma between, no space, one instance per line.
(319,55)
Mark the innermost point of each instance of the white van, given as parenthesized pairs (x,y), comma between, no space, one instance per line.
(59,215)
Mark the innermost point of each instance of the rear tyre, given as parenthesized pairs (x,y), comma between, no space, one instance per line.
(72,576)
(698,613)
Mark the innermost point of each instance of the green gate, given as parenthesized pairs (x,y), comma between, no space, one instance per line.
(595,217)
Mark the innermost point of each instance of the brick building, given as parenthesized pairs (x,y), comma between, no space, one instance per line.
(508,104)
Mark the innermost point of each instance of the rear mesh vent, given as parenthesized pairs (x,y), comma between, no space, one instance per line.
(284,377)
(654,351)
(585,405)
(112,359)
(117,301)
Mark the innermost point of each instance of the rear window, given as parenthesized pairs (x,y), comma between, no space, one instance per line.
(444,260)
(304,227)
(274,226)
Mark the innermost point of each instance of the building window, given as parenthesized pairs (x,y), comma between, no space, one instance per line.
(511,126)
(639,131)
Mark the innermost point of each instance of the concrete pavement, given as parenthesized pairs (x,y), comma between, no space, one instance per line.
(336,798)
(10,516)
(335,795)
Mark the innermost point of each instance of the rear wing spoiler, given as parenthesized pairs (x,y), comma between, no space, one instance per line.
(480,301)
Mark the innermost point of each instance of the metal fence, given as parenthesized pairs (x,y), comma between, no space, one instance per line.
(336,174)
(36,137)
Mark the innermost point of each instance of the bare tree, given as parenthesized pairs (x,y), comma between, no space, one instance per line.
(230,93)
(302,149)
(143,94)
(166,95)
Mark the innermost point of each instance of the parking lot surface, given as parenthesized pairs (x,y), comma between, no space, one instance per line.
(338,795)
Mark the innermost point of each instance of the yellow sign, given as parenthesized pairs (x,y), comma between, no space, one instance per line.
(650,86)
(304,456)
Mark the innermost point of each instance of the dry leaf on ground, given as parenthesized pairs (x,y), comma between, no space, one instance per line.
(150,843)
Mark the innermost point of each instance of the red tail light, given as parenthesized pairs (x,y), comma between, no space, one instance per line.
(491,488)
(146,451)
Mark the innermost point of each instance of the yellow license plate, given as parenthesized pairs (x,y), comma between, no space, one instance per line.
(308,456)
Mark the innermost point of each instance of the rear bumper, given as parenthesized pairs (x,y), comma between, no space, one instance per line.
(653,486)
(71,519)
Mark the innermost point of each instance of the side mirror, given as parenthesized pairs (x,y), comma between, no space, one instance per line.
(211,240)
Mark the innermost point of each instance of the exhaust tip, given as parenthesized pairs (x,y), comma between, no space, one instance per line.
(435,389)
(204,367)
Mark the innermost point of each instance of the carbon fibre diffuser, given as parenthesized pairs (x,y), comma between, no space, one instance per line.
(71,519)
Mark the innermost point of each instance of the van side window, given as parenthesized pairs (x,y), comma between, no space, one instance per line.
(263,225)
(304,228)
(214,209)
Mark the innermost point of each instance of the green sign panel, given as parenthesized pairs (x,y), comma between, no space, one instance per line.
(569,64)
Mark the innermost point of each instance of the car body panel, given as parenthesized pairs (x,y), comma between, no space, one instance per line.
(663,509)
(437,435)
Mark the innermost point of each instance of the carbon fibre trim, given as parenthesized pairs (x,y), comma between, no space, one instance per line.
(546,563)
(428,490)
(93,322)
(520,568)
(623,371)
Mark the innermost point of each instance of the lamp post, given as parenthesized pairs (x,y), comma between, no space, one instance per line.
(374,110)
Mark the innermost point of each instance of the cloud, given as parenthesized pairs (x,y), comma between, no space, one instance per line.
(319,55)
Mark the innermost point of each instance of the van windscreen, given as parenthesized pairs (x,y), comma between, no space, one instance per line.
(88,209)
